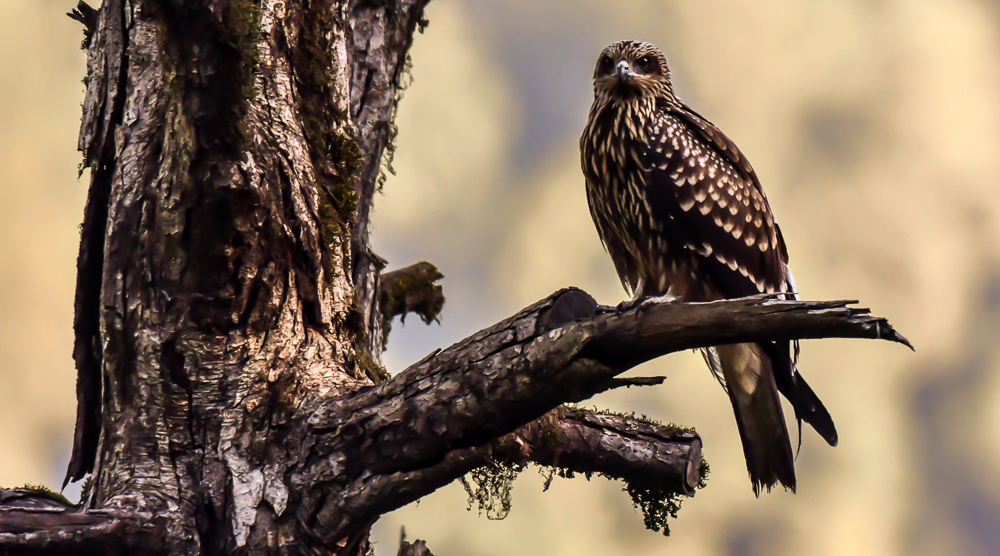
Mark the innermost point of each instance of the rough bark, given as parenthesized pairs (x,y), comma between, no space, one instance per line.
(37,521)
(224,274)
(637,451)
(228,328)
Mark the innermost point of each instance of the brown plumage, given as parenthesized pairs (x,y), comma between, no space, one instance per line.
(681,212)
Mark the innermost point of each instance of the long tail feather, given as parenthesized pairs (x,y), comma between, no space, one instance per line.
(754,394)
(806,403)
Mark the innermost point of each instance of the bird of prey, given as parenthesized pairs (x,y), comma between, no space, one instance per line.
(682,213)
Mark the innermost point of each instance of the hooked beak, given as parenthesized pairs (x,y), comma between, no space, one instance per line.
(624,73)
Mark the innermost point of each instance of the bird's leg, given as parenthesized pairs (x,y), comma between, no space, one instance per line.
(646,302)
(675,292)
(678,291)
(637,293)
(636,297)
(624,306)
(640,301)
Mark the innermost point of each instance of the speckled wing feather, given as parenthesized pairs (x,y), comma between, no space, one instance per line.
(708,194)
(701,184)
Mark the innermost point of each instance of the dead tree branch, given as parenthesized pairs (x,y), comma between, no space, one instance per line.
(492,396)
(634,450)
(619,338)
(425,427)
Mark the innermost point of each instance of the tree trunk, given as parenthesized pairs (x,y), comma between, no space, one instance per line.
(225,274)
(230,314)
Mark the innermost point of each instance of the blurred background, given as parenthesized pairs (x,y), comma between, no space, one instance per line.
(874,126)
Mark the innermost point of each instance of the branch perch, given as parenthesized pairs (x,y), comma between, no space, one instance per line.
(493,396)
(428,425)
(621,338)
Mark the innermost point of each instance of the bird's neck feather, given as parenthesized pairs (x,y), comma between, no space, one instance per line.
(627,116)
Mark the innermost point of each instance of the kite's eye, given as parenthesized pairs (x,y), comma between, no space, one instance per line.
(607,66)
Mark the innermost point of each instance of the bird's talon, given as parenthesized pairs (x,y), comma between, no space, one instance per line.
(625,306)
(651,301)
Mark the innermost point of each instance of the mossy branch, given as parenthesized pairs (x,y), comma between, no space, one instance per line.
(634,449)
(657,463)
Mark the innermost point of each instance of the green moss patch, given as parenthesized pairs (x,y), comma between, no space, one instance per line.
(243,23)
(46,492)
